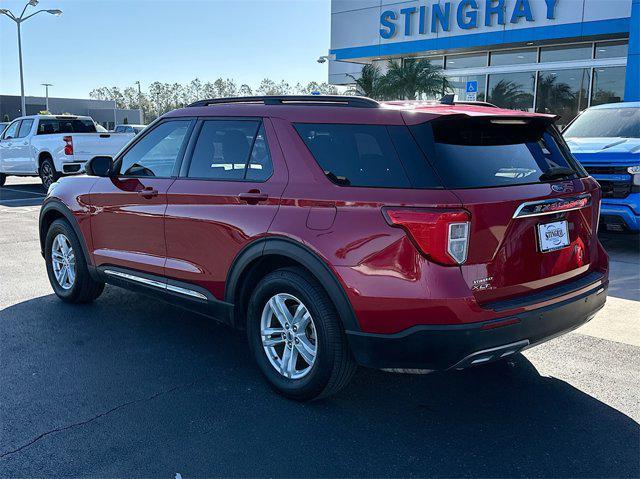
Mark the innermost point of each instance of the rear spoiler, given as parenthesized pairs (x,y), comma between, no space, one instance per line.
(450,100)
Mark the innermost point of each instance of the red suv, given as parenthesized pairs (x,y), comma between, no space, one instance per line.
(341,231)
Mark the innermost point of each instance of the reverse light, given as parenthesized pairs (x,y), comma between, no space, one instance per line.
(68,145)
(441,235)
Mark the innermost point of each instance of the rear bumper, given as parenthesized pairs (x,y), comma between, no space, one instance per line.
(73,168)
(439,347)
(622,211)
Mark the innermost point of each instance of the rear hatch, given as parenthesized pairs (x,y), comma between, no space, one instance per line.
(533,211)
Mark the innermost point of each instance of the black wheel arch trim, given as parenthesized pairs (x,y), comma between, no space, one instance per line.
(300,253)
(59,207)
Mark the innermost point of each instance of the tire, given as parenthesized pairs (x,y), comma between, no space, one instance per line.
(81,288)
(48,173)
(332,365)
(3,179)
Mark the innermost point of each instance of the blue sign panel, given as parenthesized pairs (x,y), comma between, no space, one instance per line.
(472,87)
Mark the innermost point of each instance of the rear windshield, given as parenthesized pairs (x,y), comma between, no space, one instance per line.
(606,123)
(49,127)
(368,155)
(482,152)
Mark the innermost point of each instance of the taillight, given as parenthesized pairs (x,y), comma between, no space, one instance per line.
(441,235)
(68,145)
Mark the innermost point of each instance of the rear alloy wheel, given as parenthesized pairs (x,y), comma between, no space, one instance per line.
(296,336)
(288,336)
(48,173)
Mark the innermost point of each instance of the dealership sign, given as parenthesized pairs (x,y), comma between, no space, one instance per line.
(435,17)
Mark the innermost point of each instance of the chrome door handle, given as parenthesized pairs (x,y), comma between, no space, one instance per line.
(148,193)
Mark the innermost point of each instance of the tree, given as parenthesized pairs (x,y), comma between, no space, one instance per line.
(193,93)
(409,79)
(553,95)
(163,97)
(225,88)
(508,94)
(245,90)
(368,83)
(316,88)
(125,121)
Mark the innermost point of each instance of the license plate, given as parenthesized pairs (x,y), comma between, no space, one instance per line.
(553,236)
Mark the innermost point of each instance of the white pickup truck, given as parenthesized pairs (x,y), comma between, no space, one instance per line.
(50,146)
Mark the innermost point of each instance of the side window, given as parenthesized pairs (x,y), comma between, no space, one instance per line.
(260,167)
(156,154)
(356,155)
(25,128)
(231,150)
(11,131)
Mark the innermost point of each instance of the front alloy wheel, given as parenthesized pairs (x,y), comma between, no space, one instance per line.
(288,336)
(67,267)
(63,261)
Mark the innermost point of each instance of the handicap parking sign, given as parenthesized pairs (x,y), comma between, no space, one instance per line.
(472,90)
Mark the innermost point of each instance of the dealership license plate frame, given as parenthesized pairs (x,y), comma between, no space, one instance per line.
(544,245)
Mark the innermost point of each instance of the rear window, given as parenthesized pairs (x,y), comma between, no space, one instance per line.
(368,155)
(49,127)
(482,152)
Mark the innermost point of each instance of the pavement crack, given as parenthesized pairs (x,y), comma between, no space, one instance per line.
(98,416)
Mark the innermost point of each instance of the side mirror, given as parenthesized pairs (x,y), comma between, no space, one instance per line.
(99,166)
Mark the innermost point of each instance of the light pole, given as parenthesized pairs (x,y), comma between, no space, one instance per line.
(140,101)
(46,94)
(18,21)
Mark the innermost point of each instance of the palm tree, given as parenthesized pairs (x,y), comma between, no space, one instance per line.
(368,84)
(508,94)
(409,79)
(554,95)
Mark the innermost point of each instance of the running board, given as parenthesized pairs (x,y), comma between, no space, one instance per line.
(156,284)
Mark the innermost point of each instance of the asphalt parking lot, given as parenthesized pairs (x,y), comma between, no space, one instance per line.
(130,387)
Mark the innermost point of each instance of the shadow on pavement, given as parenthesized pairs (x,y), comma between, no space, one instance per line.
(132,387)
(22,195)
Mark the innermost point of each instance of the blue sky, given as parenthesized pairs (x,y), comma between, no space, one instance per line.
(116,42)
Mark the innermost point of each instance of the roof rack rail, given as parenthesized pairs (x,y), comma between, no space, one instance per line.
(324,100)
(450,100)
